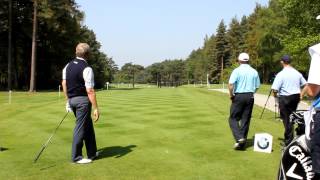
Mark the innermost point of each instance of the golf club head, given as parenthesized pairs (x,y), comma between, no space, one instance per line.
(318,17)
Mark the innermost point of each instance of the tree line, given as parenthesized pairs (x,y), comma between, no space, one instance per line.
(281,27)
(59,30)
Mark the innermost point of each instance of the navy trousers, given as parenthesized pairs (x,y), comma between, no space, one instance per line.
(83,131)
(287,105)
(240,115)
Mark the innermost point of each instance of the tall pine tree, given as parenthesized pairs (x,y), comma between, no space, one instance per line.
(222,52)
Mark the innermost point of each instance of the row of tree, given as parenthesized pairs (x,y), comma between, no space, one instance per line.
(282,27)
(59,29)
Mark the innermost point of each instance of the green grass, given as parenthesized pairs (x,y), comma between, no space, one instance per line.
(167,133)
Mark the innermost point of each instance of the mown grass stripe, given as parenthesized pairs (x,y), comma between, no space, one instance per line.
(167,133)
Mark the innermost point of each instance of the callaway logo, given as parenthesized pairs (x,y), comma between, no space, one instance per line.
(263,143)
(305,161)
(291,173)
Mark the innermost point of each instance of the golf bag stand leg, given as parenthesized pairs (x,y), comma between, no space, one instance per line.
(266,103)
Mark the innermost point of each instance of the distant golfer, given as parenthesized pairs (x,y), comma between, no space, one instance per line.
(78,87)
(243,83)
(287,85)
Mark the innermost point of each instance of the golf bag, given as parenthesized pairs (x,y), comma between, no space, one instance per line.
(296,160)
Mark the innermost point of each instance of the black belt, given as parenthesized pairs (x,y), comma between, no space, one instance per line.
(244,93)
(289,95)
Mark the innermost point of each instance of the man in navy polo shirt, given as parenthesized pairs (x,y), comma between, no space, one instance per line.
(78,87)
(243,83)
(287,85)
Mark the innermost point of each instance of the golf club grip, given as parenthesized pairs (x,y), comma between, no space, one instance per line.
(59,124)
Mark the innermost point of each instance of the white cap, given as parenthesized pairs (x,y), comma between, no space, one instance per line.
(315,49)
(314,72)
(318,17)
(243,57)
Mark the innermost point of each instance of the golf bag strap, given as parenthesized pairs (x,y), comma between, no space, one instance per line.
(309,122)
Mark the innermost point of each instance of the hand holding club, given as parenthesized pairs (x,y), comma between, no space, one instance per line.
(68,108)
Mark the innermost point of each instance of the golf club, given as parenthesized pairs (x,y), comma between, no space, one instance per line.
(266,103)
(46,144)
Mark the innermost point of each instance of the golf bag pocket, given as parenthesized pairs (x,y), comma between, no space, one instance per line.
(296,161)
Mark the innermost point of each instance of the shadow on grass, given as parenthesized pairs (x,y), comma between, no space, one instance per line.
(249,143)
(45,168)
(3,149)
(125,89)
(115,151)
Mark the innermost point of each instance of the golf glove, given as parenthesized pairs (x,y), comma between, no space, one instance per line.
(68,108)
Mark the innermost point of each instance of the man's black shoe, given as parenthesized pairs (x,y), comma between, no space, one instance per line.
(240,144)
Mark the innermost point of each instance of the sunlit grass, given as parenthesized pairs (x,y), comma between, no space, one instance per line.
(149,133)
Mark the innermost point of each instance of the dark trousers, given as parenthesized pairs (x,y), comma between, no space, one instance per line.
(83,130)
(287,105)
(240,115)
(315,144)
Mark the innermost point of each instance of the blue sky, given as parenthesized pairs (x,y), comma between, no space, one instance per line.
(148,31)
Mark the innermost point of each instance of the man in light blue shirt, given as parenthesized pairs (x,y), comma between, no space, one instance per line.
(287,85)
(243,83)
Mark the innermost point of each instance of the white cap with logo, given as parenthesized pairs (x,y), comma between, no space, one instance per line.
(243,57)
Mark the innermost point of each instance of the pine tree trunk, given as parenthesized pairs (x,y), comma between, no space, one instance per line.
(133,79)
(10,47)
(33,53)
(221,69)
